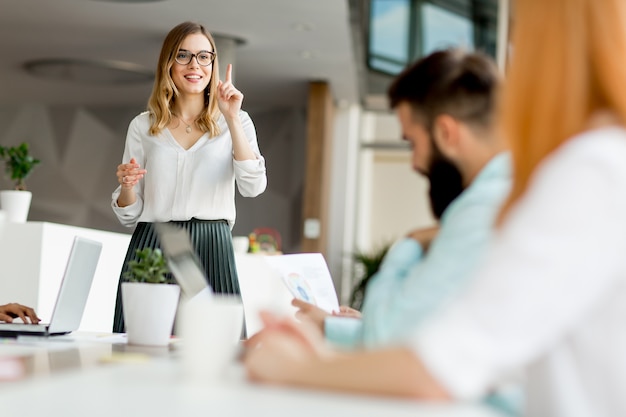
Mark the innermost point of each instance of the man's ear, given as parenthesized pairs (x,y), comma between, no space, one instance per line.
(446,132)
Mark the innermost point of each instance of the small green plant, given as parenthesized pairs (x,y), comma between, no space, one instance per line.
(150,266)
(367,265)
(18,163)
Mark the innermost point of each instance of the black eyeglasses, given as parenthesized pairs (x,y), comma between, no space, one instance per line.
(203,58)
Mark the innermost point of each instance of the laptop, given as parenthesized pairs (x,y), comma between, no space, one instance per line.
(72,297)
(183,261)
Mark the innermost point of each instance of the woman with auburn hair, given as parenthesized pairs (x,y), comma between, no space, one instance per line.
(566,78)
(551,297)
(184,156)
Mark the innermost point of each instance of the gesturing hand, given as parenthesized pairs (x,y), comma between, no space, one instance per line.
(128,175)
(229,99)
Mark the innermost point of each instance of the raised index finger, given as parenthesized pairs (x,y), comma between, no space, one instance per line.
(229,71)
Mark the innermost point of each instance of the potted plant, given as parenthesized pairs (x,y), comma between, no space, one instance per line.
(149,305)
(18,165)
(367,265)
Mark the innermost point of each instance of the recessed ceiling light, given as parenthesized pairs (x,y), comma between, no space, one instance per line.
(89,71)
(302,27)
(131,1)
(306,54)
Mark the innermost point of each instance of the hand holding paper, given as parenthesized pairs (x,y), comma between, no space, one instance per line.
(310,312)
(269,283)
(308,279)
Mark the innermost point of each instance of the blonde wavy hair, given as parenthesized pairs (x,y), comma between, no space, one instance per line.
(559,76)
(164,91)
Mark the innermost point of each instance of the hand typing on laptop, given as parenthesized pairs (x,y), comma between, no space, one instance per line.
(8,312)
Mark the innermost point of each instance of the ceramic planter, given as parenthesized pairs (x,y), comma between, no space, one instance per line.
(15,204)
(149,311)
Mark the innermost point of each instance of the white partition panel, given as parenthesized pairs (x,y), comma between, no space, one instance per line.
(33,257)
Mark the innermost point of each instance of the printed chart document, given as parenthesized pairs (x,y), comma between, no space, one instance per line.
(271,282)
(307,278)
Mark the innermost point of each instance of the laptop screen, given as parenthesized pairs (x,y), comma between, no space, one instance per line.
(182,260)
(77,279)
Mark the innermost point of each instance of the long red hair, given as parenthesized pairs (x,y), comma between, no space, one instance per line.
(568,60)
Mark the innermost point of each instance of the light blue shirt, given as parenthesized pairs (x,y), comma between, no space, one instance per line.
(410,284)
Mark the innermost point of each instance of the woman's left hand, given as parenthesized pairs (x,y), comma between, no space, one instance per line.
(229,99)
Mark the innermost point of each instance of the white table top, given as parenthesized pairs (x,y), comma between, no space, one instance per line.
(152,384)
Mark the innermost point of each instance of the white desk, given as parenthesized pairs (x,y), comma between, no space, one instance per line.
(156,387)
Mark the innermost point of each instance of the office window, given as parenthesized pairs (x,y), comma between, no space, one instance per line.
(389,35)
(401,31)
(442,29)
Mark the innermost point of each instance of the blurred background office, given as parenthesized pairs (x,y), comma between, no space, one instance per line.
(314,75)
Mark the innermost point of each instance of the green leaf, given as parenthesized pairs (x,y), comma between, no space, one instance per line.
(150,266)
(18,163)
(368,264)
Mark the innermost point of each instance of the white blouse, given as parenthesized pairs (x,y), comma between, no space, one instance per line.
(195,183)
(552,295)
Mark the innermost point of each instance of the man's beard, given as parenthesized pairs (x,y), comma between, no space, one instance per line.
(446,182)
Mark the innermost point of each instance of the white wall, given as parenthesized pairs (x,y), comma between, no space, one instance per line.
(343,194)
(394,198)
(398,198)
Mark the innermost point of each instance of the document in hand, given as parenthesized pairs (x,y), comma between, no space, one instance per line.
(271,282)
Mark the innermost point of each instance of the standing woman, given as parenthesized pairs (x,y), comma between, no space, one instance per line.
(184,155)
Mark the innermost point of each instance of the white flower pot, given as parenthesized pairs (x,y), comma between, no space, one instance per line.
(15,204)
(149,311)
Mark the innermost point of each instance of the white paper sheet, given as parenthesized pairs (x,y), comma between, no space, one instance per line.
(263,287)
(307,277)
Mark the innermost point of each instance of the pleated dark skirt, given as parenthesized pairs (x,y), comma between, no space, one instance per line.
(212,240)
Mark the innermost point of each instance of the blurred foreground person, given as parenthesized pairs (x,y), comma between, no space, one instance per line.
(551,297)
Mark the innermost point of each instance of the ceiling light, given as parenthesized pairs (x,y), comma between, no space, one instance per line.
(89,71)
(302,27)
(131,1)
(306,54)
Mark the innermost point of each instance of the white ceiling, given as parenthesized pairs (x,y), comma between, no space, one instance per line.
(272,68)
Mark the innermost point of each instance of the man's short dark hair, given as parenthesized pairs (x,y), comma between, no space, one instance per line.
(461,84)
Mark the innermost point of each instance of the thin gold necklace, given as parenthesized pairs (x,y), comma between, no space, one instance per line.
(188,128)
